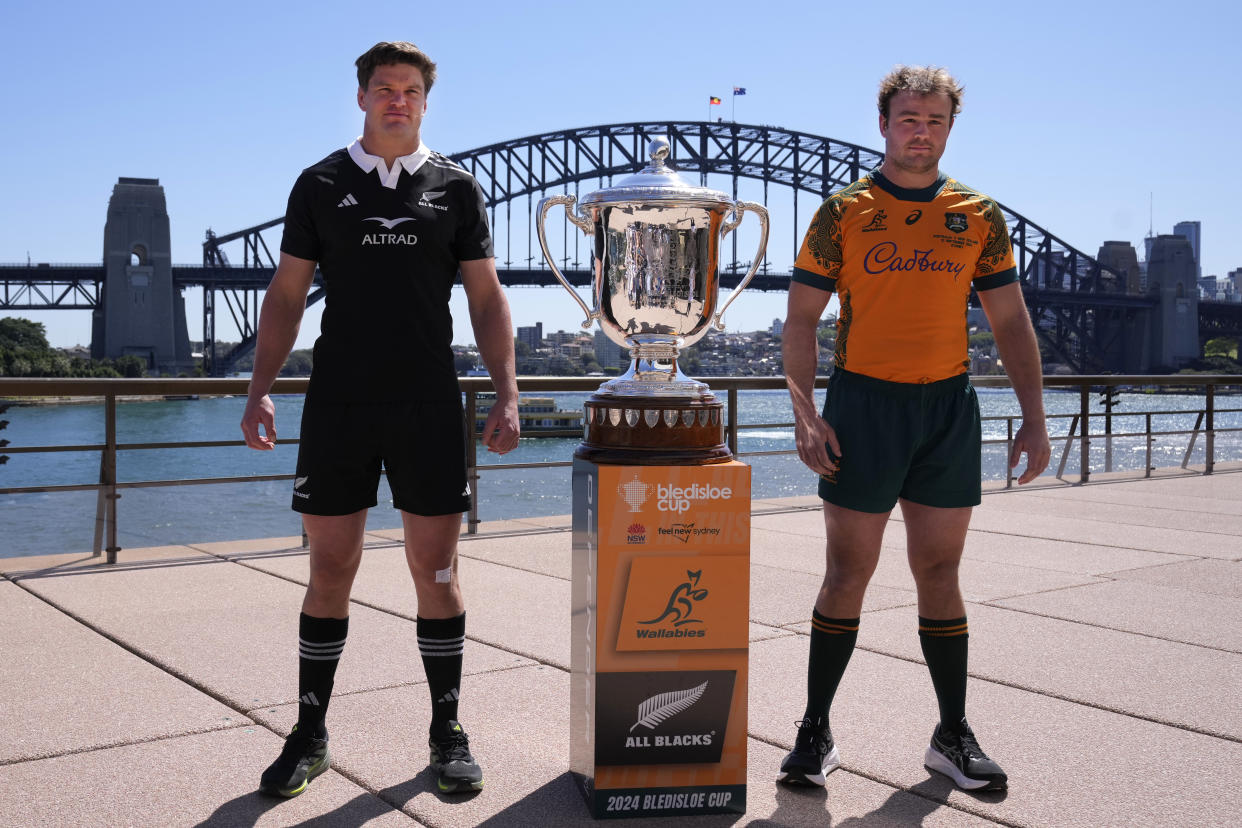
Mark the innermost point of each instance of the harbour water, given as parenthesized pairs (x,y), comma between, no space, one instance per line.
(45,523)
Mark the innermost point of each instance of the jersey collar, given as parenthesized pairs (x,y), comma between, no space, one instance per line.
(388,177)
(928,193)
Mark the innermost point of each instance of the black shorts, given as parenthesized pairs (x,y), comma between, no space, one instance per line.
(921,442)
(422,445)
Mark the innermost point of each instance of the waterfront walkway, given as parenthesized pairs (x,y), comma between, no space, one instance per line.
(1106,672)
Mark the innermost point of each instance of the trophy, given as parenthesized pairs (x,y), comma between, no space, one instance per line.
(655,284)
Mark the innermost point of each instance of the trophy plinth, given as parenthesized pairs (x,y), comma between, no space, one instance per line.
(653,431)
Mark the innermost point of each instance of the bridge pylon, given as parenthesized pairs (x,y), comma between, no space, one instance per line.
(141,311)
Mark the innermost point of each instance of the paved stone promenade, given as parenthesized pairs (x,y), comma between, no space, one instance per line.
(1106,675)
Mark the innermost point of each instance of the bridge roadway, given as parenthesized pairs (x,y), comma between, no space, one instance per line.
(1106,621)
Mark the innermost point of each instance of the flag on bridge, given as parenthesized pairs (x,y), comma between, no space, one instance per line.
(713,100)
(739,90)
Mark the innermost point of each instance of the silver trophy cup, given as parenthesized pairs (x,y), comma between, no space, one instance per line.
(656,259)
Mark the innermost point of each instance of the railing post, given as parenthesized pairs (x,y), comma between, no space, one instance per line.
(108,475)
(1069,441)
(1108,428)
(472,464)
(1190,444)
(1210,445)
(731,434)
(1084,399)
(1008,452)
(1150,440)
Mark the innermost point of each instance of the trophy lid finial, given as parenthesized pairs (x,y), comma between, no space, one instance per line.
(658,150)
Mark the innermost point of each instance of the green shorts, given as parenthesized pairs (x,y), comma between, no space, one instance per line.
(921,442)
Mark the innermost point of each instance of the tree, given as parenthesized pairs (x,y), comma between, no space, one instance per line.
(22,334)
(464,361)
(1221,346)
(298,364)
(131,366)
(983,339)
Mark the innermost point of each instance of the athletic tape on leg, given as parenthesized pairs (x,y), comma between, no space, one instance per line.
(444,576)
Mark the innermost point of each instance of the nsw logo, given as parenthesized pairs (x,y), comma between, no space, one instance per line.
(636,533)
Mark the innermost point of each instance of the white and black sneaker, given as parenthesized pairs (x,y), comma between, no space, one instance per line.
(956,754)
(814,756)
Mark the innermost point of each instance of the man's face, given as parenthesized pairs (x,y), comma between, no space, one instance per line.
(394,102)
(916,131)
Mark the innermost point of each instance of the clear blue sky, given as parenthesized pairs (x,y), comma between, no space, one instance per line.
(1074,112)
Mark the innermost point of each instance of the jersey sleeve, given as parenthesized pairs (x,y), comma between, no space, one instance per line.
(819,260)
(996,266)
(473,239)
(300,238)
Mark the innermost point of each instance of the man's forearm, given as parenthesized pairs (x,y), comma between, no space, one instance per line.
(278,331)
(493,333)
(800,354)
(1019,353)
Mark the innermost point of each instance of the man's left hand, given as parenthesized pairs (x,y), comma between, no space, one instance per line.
(1032,440)
(501,429)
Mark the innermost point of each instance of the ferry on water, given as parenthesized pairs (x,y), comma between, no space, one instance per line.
(534,413)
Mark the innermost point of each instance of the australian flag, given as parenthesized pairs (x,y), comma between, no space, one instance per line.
(739,90)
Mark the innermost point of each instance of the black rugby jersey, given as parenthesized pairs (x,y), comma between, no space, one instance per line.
(389,259)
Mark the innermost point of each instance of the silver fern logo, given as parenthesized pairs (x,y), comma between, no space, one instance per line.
(663,706)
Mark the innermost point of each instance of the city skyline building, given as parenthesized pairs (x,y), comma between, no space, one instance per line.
(1192,231)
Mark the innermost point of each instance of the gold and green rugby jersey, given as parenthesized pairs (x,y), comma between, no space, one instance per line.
(903,263)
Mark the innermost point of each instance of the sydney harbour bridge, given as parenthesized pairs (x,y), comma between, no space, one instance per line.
(1090,314)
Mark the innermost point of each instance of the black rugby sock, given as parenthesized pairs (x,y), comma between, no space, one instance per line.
(944,644)
(320,644)
(441,642)
(832,644)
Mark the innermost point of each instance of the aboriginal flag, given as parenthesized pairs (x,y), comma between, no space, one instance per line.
(713,100)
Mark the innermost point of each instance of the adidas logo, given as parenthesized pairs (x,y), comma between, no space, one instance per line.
(310,698)
(348,201)
(450,696)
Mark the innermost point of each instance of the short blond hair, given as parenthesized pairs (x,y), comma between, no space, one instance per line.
(922,80)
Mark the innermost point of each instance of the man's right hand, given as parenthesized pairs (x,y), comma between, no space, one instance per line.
(814,437)
(259,411)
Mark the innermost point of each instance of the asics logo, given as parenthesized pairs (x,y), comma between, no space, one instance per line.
(389,224)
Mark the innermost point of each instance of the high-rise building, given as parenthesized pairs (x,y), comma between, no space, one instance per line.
(608,353)
(778,327)
(532,335)
(1192,231)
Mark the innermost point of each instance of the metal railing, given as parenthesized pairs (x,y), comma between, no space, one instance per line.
(110,391)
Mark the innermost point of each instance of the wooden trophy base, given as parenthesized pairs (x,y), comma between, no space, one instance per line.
(649,431)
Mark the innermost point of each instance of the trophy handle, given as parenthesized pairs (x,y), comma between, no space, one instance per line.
(738,209)
(582,222)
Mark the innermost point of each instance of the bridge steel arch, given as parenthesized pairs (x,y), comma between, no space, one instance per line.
(1079,305)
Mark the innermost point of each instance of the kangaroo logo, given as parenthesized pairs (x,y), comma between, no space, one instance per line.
(681,602)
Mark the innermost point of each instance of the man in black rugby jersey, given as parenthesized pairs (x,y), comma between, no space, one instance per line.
(389,223)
